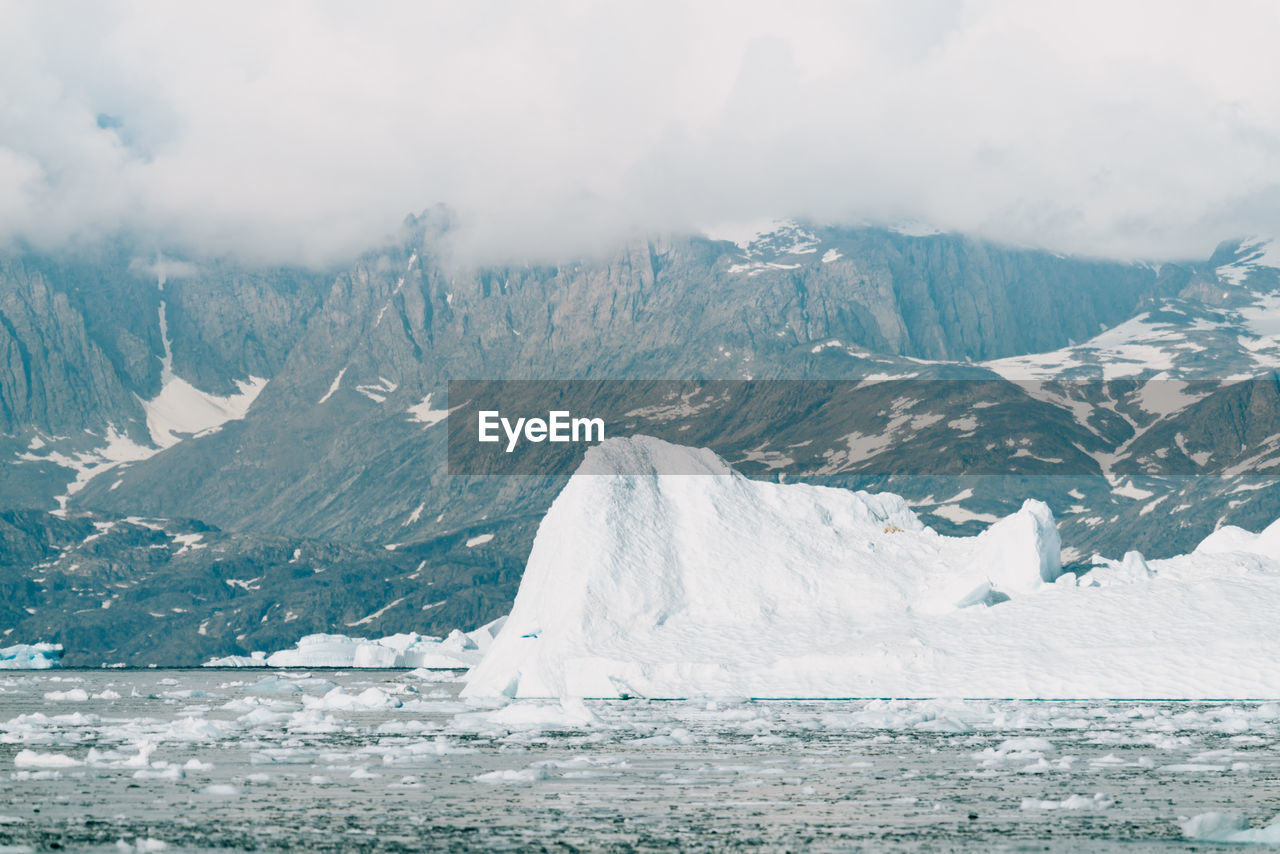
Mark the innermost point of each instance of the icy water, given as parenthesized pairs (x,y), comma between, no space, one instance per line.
(393,761)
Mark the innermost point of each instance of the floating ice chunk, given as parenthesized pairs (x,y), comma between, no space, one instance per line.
(74,695)
(317,651)
(427,675)
(221,790)
(1230,828)
(254,659)
(1074,802)
(37,759)
(339,700)
(35,656)
(275,685)
(526,716)
(458,651)
(168,772)
(523,777)
(198,729)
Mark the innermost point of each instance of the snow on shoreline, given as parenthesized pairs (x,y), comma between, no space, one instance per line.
(664,586)
(459,650)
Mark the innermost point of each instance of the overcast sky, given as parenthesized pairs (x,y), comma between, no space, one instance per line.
(304,132)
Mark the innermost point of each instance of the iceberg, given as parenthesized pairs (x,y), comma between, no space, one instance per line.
(31,656)
(647,584)
(458,651)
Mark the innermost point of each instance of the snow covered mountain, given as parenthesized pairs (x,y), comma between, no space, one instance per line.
(293,419)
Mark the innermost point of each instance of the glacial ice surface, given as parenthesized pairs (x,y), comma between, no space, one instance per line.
(658,585)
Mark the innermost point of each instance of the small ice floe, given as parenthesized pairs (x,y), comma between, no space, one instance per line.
(1230,828)
(254,659)
(338,700)
(38,759)
(142,845)
(523,777)
(74,695)
(1075,802)
(221,790)
(527,715)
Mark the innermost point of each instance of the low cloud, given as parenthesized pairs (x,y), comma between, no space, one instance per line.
(163,269)
(305,132)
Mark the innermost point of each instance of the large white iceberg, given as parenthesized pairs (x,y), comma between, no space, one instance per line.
(458,650)
(663,585)
(30,656)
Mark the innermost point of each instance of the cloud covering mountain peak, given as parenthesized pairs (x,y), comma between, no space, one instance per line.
(295,132)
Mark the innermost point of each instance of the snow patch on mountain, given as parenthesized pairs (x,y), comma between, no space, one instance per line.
(767,244)
(181,410)
(87,465)
(424,414)
(1255,253)
(333,386)
(178,411)
(1176,341)
(378,391)
(743,234)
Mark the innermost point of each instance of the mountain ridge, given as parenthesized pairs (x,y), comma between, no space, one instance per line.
(344,444)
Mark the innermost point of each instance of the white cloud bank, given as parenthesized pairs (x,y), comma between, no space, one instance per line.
(306,131)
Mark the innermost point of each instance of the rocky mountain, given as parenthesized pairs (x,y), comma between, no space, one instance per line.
(295,418)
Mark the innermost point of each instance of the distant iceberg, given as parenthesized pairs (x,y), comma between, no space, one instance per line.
(457,651)
(31,656)
(657,585)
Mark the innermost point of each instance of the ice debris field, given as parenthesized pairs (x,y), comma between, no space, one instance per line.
(369,760)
